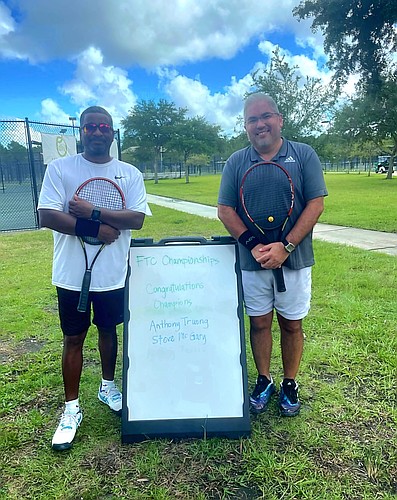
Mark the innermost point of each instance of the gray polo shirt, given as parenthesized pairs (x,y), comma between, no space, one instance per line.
(304,167)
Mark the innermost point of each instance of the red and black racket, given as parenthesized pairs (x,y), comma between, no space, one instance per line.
(102,193)
(267,197)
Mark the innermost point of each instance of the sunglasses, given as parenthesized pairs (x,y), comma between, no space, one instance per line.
(90,128)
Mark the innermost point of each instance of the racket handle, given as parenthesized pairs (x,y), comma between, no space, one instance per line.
(279,277)
(85,290)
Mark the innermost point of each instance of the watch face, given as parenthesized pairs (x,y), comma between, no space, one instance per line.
(95,214)
(290,247)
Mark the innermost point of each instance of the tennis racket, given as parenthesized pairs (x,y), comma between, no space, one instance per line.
(267,197)
(102,193)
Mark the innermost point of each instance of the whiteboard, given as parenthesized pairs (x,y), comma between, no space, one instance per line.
(184,349)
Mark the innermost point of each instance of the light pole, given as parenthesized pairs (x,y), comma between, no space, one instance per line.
(162,150)
(327,125)
(72,119)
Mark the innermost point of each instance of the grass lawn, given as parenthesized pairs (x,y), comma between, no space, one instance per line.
(354,200)
(342,446)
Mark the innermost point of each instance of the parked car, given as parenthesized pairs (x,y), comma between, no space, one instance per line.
(383,167)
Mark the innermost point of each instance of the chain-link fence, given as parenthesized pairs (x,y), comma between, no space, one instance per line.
(172,170)
(22,169)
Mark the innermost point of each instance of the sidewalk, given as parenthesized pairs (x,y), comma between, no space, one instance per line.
(376,241)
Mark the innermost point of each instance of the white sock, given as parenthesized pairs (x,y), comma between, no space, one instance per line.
(107,384)
(72,406)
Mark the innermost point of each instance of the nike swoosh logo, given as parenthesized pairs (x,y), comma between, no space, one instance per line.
(119,176)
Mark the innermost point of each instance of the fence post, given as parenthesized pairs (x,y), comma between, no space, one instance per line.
(2,177)
(118,143)
(32,171)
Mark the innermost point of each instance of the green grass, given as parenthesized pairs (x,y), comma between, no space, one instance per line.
(354,200)
(342,446)
(361,201)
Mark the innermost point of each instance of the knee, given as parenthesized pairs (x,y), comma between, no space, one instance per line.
(260,326)
(292,330)
(73,342)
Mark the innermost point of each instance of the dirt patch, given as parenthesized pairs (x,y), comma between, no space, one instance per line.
(9,351)
(180,469)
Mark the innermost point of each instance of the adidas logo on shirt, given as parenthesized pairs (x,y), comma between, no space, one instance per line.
(290,159)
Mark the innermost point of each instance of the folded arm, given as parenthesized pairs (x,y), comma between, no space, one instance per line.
(119,219)
(273,255)
(66,224)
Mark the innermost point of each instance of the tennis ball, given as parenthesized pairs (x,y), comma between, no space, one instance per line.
(270,218)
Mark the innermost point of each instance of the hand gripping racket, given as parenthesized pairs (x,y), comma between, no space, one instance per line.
(267,197)
(102,193)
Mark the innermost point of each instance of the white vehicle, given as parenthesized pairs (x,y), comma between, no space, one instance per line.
(383,165)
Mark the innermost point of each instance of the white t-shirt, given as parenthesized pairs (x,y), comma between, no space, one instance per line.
(61,180)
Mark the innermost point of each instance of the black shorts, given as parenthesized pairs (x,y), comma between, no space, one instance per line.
(108,308)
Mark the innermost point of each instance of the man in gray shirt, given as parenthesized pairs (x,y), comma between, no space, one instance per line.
(263,124)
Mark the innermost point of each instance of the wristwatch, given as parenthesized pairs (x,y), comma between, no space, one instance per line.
(96,214)
(289,247)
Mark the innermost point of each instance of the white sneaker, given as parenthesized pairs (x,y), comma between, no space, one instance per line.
(66,430)
(111,397)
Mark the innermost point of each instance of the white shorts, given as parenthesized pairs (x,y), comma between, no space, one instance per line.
(261,295)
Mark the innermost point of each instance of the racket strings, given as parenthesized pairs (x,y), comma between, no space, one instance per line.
(267,196)
(102,194)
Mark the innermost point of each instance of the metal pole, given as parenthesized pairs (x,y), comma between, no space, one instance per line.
(32,170)
(72,119)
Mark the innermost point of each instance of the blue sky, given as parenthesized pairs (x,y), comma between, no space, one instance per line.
(59,56)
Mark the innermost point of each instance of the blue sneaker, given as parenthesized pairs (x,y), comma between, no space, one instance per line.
(288,399)
(260,399)
(111,397)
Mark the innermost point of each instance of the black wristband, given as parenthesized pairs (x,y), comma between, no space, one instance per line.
(86,227)
(248,240)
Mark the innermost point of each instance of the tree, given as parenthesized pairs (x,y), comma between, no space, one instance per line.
(372,118)
(232,144)
(302,106)
(359,36)
(14,162)
(151,127)
(330,147)
(194,136)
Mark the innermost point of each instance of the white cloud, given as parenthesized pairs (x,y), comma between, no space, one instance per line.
(311,67)
(104,39)
(218,108)
(52,113)
(7,23)
(145,33)
(7,28)
(95,83)
(306,66)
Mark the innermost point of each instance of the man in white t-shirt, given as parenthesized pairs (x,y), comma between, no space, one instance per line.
(69,217)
